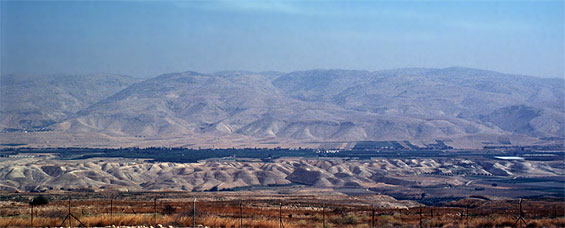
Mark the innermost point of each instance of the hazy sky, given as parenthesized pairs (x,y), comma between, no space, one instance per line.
(150,38)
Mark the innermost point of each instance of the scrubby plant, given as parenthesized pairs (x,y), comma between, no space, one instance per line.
(39,200)
(168,209)
(350,219)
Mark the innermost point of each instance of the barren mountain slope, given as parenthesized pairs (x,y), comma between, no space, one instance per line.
(452,102)
(249,107)
(465,107)
(186,104)
(31,102)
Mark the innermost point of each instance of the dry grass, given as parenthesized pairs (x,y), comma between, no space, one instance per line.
(25,222)
(266,214)
(267,222)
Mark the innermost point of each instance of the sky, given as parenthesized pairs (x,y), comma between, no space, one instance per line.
(148,38)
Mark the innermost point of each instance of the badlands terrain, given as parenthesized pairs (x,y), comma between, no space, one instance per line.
(466,108)
(415,179)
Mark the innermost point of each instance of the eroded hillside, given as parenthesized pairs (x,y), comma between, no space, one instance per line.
(467,108)
(398,177)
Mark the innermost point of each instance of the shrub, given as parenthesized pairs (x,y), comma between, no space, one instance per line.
(317,218)
(347,219)
(385,220)
(169,210)
(350,219)
(39,200)
(334,219)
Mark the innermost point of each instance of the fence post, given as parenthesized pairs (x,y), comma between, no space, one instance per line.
(323,215)
(467,214)
(31,222)
(521,219)
(280,215)
(372,216)
(70,212)
(240,215)
(420,217)
(70,216)
(111,209)
(194,213)
(155,211)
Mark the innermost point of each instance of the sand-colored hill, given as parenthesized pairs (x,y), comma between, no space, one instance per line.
(48,173)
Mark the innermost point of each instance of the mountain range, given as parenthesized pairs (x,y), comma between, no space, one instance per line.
(465,108)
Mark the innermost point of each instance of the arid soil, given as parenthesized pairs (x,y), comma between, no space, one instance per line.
(444,177)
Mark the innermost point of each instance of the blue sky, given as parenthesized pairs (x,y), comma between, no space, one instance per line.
(149,38)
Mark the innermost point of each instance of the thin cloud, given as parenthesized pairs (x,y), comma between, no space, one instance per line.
(227,5)
(306,8)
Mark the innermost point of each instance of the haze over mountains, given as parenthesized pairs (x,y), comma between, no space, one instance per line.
(35,102)
(467,108)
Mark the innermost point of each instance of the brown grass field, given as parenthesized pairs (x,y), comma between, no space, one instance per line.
(263,211)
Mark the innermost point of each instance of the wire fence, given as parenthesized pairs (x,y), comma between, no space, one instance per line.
(275,213)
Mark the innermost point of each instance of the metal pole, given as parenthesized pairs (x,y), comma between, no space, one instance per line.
(521,213)
(467,214)
(280,215)
(194,213)
(111,208)
(155,211)
(372,216)
(420,217)
(70,212)
(324,215)
(520,216)
(240,215)
(31,223)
